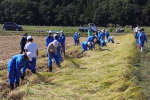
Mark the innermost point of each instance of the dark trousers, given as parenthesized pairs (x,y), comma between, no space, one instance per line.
(22,50)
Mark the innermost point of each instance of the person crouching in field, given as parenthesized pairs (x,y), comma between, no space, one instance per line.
(141,39)
(52,53)
(110,38)
(86,45)
(14,68)
(91,40)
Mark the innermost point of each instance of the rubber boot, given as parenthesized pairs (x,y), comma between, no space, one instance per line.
(24,74)
(11,86)
(50,69)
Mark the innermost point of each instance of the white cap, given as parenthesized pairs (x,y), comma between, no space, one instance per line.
(89,43)
(29,37)
(55,35)
(55,43)
(50,32)
(29,55)
(58,32)
(61,31)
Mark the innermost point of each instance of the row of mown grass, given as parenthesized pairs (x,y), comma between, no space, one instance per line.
(99,75)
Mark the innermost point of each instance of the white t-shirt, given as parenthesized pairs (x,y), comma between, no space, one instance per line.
(32,47)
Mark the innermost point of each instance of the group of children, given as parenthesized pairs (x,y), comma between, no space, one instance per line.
(140,38)
(26,59)
(101,38)
(55,48)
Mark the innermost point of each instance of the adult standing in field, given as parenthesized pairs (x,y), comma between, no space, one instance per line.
(33,48)
(141,39)
(49,39)
(63,40)
(23,43)
(52,53)
(14,66)
(89,32)
(76,37)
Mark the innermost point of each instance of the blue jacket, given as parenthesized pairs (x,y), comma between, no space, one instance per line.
(101,36)
(49,39)
(17,62)
(90,39)
(107,34)
(137,35)
(102,42)
(110,38)
(84,46)
(75,36)
(63,39)
(142,38)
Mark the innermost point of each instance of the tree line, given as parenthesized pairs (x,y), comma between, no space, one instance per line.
(75,12)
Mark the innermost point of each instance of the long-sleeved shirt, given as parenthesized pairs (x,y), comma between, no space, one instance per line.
(49,39)
(90,39)
(23,41)
(75,36)
(142,38)
(62,39)
(17,62)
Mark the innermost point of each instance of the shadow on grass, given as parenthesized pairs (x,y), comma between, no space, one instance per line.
(106,50)
(67,57)
(40,77)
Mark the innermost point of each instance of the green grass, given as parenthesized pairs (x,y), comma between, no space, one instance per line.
(68,30)
(102,75)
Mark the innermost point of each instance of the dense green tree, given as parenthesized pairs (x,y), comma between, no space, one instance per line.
(75,12)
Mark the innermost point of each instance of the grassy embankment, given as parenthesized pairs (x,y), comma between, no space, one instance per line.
(99,75)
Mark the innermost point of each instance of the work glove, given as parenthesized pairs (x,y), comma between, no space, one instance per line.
(33,71)
(22,77)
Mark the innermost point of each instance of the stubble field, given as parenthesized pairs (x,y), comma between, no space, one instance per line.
(9,46)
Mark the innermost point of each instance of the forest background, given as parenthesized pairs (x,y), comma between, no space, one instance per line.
(75,12)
